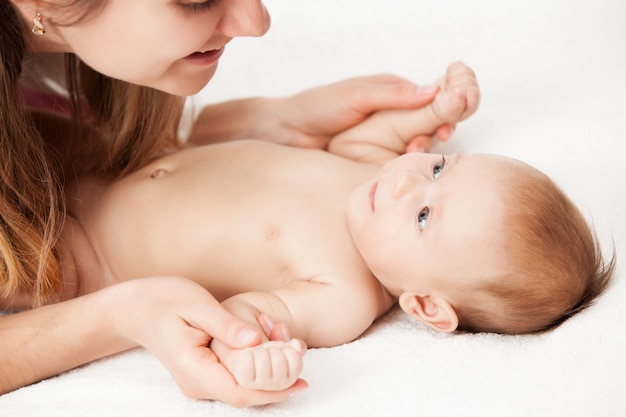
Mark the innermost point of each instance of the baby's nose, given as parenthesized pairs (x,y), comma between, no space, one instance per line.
(405,182)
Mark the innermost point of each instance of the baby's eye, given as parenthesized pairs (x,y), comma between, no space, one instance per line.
(438,167)
(422,218)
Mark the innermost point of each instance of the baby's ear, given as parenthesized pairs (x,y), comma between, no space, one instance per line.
(432,310)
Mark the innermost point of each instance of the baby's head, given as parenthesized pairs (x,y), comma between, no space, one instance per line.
(553,262)
(477,243)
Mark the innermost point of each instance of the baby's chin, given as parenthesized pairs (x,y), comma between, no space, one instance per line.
(359,201)
(358,208)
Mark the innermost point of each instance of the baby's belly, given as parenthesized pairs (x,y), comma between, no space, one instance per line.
(226,251)
(231,224)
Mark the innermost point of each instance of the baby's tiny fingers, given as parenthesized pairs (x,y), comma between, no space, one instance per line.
(298,345)
(295,362)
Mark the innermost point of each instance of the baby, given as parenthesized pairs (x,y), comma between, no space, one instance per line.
(326,242)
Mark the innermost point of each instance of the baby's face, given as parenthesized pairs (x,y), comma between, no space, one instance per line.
(428,222)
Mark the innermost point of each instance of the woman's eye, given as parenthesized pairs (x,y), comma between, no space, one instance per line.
(438,167)
(200,6)
(422,218)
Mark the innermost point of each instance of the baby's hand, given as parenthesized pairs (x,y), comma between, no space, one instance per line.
(387,134)
(458,99)
(271,366)
(458,96)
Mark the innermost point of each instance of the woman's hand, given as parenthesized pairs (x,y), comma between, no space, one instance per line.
(311,118)
(175,319)
(390,133)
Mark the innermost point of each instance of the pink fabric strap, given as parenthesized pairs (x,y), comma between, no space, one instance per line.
(46,101)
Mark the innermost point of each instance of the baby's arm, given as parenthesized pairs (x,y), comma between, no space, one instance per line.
(316,315)
(385,134)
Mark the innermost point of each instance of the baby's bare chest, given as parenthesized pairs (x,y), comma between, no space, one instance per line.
(237,226)
(268,236)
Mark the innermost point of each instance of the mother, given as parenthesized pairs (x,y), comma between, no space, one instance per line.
(99,86)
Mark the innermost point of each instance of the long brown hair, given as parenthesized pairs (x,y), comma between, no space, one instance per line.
(132,125)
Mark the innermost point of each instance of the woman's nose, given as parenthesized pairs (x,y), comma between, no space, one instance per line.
(406,181)
(244,18)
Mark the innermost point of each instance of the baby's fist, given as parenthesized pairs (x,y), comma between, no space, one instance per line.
(271,366)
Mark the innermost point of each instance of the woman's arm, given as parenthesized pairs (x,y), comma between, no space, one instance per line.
(40,343)
(312,117)
(172,317)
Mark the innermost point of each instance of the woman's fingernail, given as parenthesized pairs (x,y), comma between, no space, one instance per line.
(297,391)
(268,321)
(284,330)
(426,90)
(246,336)
(450,133)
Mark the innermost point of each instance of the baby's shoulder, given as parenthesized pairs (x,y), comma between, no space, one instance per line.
(358,291)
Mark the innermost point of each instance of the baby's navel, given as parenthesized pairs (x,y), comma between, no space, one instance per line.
(272,233)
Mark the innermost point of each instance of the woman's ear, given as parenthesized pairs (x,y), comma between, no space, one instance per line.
(26,7)
(432,310)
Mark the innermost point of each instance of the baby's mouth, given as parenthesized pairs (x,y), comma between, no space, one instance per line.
(372,194)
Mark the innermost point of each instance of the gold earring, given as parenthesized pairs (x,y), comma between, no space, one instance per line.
(38,27)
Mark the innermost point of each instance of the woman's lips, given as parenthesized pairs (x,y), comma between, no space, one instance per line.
(205,58)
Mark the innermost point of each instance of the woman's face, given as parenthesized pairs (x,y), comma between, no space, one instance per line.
(170,45)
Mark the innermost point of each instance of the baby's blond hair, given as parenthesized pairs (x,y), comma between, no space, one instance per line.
(555,263)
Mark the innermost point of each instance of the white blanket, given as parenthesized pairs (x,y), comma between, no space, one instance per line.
(553,79)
